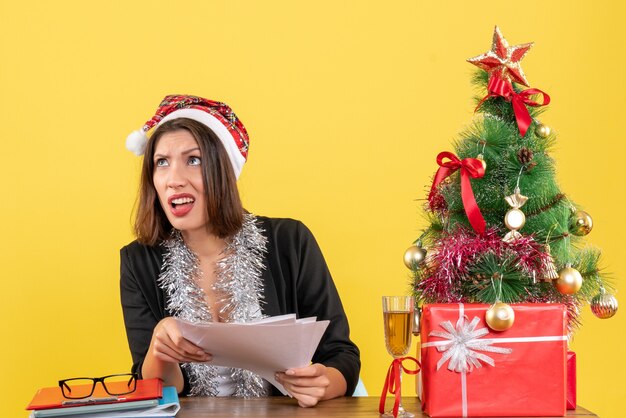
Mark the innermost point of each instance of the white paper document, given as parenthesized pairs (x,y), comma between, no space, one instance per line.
(264,347)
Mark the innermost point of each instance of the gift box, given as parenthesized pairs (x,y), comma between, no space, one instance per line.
(470,370)
(571,380)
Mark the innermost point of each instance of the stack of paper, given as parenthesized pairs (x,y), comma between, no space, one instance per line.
(150,399)
(264,347)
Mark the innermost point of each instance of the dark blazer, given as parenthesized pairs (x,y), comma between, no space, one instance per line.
(295,279)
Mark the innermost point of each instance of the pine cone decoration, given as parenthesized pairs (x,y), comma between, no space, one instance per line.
(524,155)
(480,281)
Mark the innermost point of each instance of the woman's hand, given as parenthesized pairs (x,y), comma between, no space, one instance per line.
(167,349)
(169,345)
(313,383)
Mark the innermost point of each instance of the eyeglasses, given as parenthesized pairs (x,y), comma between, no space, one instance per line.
(83,387)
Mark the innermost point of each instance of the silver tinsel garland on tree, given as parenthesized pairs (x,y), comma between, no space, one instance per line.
(238,279)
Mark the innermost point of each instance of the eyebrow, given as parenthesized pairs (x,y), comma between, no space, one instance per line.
(189,151)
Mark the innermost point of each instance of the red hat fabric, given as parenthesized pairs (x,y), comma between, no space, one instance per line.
(217,116)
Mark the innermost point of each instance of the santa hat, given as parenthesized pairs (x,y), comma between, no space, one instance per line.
(217,116)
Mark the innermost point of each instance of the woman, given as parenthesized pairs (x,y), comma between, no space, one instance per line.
(201,257)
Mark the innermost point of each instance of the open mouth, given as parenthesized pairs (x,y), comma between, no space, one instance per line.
(180,205)
(181,201)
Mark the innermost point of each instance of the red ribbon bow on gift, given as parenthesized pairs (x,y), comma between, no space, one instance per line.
(393,383)
(499,87)
(470,167)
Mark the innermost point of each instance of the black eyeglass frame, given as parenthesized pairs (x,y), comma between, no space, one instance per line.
(133,377)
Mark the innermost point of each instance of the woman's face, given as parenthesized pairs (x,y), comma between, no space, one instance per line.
(178,181)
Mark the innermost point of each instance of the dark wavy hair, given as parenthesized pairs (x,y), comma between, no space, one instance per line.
(223,205)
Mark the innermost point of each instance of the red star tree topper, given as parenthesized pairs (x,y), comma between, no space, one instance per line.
(503,61)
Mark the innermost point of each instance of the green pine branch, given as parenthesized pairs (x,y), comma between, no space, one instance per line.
(492,278)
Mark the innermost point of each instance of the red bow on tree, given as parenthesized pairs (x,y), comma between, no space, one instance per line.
(470,167)
(393,383)
(503,88)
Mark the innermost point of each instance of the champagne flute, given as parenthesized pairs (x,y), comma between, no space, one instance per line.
(398,321)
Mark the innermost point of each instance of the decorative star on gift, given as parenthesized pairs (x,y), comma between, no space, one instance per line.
(503,60)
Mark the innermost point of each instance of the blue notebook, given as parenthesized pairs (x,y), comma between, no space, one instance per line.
(167,407)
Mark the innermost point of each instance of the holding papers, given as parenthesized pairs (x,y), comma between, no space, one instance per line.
(264,347)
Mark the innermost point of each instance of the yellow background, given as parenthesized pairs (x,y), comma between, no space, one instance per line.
(347,104)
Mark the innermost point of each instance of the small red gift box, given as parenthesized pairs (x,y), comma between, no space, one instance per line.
(470,370)
(571,380)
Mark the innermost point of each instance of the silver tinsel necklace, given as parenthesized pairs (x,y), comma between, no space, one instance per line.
(238,280)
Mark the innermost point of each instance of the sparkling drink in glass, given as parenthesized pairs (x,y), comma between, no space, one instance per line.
(398,323)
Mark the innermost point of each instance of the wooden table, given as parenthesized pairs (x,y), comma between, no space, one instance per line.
(278,406)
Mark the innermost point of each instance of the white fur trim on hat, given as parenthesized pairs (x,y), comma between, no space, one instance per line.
(236,159)
(136,142)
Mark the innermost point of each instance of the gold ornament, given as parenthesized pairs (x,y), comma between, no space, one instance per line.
(500,316)
(581,223)
(542,131)
(414,256)
(514,218)
(603,305)
(481,158)
(569,281)
(550,272)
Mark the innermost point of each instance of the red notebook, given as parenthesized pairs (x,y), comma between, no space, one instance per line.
(52,397)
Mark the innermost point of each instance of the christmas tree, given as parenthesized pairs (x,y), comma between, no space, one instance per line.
(500,228)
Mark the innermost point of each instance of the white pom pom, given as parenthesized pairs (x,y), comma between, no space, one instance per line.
(136,142)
